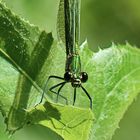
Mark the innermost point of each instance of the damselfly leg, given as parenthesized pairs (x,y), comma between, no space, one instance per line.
(62,84)
(46,85)
(58,92)
(88,96)
(74,96)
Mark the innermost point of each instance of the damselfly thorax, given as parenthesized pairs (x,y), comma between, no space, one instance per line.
(73,72)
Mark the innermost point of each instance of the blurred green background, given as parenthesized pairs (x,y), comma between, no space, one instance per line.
(102,22)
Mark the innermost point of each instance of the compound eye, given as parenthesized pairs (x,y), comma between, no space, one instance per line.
(67,76)
(84,77)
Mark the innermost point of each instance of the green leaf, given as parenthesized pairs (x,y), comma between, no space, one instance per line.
(69,122)
(114,82)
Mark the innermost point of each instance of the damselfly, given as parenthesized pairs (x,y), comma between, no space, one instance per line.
(68,26)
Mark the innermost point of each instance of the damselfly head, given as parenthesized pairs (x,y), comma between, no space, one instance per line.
(74,79)
(76,83)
